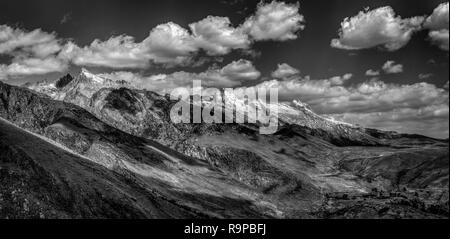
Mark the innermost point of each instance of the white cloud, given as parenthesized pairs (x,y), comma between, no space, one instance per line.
(438,24)
(407,108)
(34,66)
(171,45)
(306,88)
(116,52)
(371,72)
(277,21)
(35,42)
(391,68)
(439,18)
(285,71)
(233,74)
(168,44)
(216,35)
(240,70)
(431,121)
(440,38)
(340,80)
(33,52)
(379,27)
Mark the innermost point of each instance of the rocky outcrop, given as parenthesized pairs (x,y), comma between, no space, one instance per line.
(63,81)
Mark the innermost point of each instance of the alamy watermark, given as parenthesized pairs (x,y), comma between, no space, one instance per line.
(240,105)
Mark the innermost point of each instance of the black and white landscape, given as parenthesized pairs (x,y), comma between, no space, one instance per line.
(85,109)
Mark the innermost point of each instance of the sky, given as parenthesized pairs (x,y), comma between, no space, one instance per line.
(380,64)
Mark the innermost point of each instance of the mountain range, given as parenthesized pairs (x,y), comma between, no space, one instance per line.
(93,147)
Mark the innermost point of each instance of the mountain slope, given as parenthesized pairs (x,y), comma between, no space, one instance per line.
(42,180)
(101,96)
(146,114)
(184,181)
(294,173)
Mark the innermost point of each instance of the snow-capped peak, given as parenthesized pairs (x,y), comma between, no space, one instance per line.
(304,106)
(300,104)
(92,76)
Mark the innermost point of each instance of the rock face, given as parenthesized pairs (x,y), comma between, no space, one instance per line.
(63,81)
(230,170)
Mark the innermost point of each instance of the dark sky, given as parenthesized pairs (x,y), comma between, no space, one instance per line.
(87,20)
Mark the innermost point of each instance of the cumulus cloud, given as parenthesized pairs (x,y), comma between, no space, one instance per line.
(167,44)
(376,28)
(371,72)
(406,108)
(307,88)
(438,24)
(439,18)
(431,121)
(34,66)
(440,38)
(33,52)
(277,21)
(231,75)
(116,52)
(391,68)
(240,70)
(170,44)
(285,71)
(35,42)
(216,35)
(340,80)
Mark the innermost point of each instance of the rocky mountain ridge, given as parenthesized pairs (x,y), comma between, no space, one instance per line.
(97,94)
(298,172)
